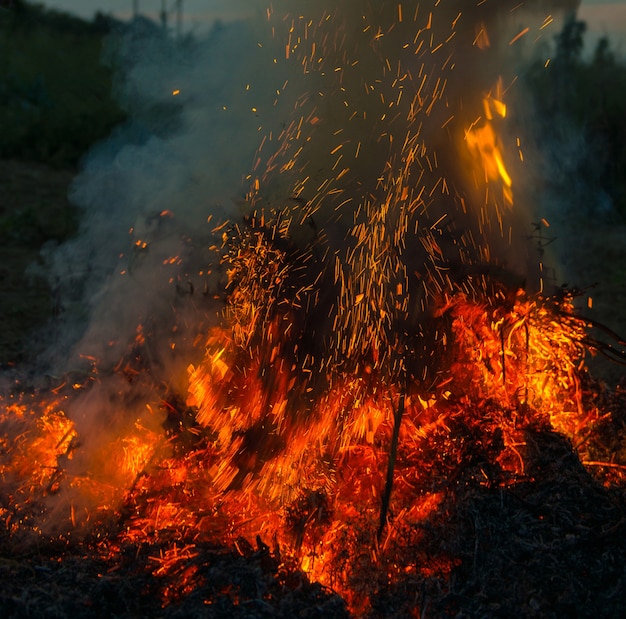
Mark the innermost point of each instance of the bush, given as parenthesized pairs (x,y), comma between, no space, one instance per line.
(585,95)
(55,95)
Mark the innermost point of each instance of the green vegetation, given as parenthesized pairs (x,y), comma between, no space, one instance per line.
(55,95)
(585,96)
(55,102)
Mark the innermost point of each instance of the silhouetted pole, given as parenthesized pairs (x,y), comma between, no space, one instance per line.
(179,19)
(163,16)
(135,8)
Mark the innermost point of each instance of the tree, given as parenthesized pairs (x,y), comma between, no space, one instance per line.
(570,41)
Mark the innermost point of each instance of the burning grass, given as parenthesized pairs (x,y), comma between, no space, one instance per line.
(244,487)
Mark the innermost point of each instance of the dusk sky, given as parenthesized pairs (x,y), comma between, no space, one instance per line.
(602,16)
(196,11)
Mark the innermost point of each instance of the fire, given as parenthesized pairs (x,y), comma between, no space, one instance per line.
(358,374)
(515,364)
(35,441)
(255,464)
(484,143)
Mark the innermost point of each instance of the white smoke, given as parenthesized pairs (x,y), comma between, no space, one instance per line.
(147,193)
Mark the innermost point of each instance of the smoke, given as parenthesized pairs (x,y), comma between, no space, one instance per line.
(349,119)
(318,111)
(140,285)
(147,193)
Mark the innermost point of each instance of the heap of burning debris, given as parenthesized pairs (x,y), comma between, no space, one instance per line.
(280,488)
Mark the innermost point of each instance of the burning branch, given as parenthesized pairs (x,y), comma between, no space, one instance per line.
(391,464)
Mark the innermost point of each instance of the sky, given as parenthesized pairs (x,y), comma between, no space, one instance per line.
(605,18)
(602,16)
(198,12)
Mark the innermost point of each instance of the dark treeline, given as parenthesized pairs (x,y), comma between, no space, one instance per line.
(27,16)
(580,98)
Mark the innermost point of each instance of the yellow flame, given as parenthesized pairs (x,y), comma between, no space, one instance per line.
(485,146)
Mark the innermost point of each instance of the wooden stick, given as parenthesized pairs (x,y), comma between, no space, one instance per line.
(393,454)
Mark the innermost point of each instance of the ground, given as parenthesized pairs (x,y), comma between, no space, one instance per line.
(34,210)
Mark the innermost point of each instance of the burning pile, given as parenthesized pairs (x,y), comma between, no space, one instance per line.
(265,449)
(376,360)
